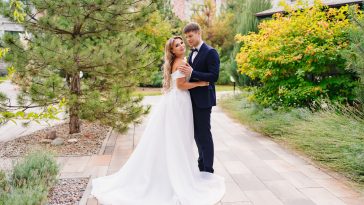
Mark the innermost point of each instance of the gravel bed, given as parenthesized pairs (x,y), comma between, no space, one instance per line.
(67,191)
(88,142)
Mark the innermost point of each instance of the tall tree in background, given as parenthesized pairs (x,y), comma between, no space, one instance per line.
(165,23)
(355,55)
(236,16)
(89,52)
(215,28)
(166,10)
(244,22)
(216,31)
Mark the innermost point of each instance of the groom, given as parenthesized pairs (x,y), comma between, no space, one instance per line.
(204,65)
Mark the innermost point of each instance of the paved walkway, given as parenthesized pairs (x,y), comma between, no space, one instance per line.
(257,170)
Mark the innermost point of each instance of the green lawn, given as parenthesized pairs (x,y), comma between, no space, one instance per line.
(148,91)
(332,139)
(224,88)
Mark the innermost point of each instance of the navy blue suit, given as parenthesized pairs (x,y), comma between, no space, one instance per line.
(206,67)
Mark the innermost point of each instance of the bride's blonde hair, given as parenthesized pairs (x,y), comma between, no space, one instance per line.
(169,58)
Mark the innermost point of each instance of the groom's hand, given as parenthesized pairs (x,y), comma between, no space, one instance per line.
(185,69)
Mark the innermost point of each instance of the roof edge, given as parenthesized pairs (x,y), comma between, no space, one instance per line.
(262,14)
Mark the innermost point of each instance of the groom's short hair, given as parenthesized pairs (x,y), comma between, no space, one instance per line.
(191,27)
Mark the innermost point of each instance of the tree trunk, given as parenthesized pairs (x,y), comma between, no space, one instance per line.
(75,124)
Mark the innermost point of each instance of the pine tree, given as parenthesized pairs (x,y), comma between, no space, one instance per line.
(166,10)
(88,52)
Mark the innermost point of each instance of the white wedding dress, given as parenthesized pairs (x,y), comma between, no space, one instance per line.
(163,169)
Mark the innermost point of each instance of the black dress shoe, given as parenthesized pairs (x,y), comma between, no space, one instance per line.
(201,167)
(211,170)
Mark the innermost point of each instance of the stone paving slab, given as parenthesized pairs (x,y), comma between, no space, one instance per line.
(257,170)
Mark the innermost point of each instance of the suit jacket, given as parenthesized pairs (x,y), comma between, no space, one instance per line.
(206,67)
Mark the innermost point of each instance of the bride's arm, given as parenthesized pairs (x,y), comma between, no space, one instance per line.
(185,85)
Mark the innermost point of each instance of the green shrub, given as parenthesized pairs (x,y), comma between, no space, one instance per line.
(30,181)
(35,169)
(224,75)
(297,58)
(155,80)
(36,195)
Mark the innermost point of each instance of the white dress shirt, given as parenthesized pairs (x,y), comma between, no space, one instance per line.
(194,54)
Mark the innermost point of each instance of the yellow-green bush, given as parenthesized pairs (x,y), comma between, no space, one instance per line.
(297,57)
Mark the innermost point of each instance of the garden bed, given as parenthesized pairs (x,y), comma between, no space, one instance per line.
(67,191)
(88,142)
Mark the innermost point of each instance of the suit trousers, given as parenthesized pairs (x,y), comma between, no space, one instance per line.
(203,137)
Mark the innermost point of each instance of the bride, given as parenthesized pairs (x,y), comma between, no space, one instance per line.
(163,168)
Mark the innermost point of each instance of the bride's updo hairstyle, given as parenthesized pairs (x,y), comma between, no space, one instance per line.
(169,58)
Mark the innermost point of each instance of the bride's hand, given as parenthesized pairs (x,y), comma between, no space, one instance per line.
(203,83)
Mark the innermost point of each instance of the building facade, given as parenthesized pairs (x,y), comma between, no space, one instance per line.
(7,26)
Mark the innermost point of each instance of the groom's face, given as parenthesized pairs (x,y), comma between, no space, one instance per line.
(193,38)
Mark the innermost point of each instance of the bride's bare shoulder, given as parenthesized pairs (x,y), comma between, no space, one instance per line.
(176,63)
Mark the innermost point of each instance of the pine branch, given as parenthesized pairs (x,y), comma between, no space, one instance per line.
(108,28)
(41,45)
(50,28)
(26,107)
(93,66)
